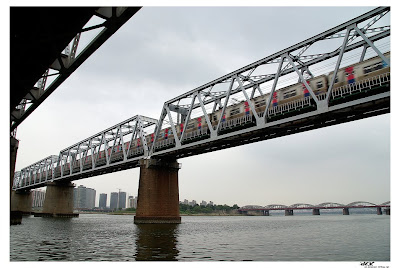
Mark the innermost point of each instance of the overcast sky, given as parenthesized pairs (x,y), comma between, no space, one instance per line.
(161,53)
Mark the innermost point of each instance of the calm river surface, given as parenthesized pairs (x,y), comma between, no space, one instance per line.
(99,237)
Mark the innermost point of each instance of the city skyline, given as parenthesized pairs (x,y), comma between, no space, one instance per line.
(145,64)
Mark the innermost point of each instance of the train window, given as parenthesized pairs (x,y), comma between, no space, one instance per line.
(234,111)
(373,67)
(319,84)
(289,94)
(260,103)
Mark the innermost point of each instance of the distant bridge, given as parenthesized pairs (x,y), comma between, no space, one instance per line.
(264,210)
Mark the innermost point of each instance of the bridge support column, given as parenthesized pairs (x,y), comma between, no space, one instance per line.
(288,212)
(15,214)
(265,212)
(387,211)
(158,195)
(59,201)
(379,211)
(346,211)
(21,204)
(315,211)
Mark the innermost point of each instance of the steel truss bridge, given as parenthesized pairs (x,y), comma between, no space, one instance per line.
(83,159)
(325,205)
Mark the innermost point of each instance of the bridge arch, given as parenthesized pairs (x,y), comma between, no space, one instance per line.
(276,206)
(301,205)
(360,203)
(330,204)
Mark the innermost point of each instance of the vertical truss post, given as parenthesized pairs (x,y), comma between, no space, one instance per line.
(302,79)
(121,137)
(258,121)
(278,73)
(228,93)
(132,138)
(171,122)
(342,49)
(210,127)
(188,117)
(142,136)
(158,129)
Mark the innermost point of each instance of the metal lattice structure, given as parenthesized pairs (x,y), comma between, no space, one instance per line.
(107,151)
(325,205)
(355,37)
(110,20)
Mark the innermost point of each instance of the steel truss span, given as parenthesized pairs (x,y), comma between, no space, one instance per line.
(326,205)
(279,95)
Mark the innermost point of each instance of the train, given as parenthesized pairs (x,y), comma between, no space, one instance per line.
(350,83)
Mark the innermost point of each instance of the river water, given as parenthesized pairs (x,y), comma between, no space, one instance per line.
(100,237)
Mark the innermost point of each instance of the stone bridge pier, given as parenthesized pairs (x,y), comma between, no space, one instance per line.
(158,195)
(59,201)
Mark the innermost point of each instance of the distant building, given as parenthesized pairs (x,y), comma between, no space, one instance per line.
(38,197)
(211,203)
(132,202)
(114,200)
(122,200)
(193,203)
(185,202)
(103,201)
(84,197)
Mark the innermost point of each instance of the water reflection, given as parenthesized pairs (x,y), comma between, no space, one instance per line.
(156,242)
(53,244)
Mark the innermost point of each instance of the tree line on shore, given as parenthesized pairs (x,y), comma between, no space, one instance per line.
(198,209)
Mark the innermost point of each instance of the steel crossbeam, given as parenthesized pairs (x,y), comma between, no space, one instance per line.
(241,84)
(66,63)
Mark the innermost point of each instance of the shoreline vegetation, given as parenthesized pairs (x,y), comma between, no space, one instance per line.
(185,210)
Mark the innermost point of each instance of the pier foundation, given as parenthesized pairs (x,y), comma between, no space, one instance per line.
(387,211)
(379,211)
(265,212)
(158,195)
(315,211)
(17,202)
(288,212)
(346,211)
(59,201)
(21,202)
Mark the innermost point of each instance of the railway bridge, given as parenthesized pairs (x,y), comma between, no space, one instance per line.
(289,210)
(140,142)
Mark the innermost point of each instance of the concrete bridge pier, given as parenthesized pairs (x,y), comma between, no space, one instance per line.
(379,211)
(315,211)
(15,214)
(59,201)
(288,212)
(346,211)
(21,204)
(387,211)
(158,195)
(265,212)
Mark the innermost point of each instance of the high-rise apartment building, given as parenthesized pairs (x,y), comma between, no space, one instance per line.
(122,200)
(103,201)
(132,202)
(84,197)
(114,200)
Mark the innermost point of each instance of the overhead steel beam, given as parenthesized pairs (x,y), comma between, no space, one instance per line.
(115,18)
